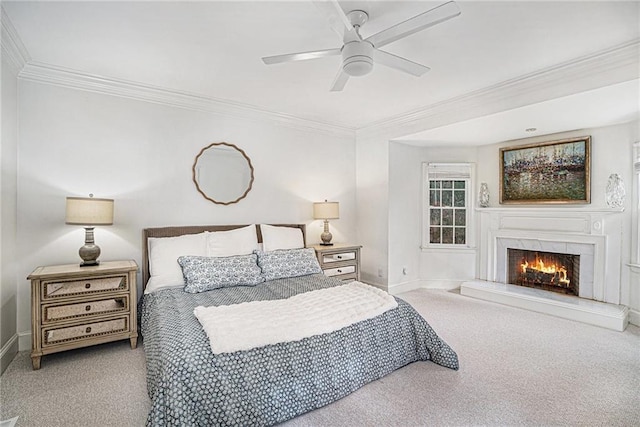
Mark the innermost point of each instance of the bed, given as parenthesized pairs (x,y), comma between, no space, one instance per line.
(190,385)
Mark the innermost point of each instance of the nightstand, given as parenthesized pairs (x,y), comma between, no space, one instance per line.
(340,260)
(73,306)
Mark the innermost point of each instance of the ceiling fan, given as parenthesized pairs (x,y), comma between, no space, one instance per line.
(358,54)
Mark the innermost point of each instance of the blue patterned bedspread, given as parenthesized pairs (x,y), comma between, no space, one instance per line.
(190,386)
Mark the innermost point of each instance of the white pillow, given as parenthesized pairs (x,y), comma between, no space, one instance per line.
(241,241)
(156,283)
(274,238)
(164,270)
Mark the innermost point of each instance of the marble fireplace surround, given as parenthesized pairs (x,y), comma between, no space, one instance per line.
(595,235)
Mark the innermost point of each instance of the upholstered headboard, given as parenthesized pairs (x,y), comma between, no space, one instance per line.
(193,229)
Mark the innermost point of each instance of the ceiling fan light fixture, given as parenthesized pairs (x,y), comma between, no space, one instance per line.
(358,54)
(358,66)
(357,58)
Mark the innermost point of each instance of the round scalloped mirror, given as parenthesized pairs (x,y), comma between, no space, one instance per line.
(223,173)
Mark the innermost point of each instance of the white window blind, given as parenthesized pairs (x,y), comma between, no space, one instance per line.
(443,171)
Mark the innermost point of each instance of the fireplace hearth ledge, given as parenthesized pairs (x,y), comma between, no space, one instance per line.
(570,307)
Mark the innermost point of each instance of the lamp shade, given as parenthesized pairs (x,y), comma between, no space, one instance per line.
(326,210)
(89,211)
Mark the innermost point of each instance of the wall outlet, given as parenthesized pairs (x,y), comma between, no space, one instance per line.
(379,271)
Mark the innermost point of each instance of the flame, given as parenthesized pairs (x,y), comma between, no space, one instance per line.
(538,265)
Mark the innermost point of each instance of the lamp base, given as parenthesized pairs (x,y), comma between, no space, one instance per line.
(89,264)
(326,235)
(90,251)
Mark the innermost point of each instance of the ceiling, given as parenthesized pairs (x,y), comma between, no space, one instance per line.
(605,106)
(214,49)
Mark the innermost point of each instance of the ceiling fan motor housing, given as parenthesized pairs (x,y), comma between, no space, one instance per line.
(357,58)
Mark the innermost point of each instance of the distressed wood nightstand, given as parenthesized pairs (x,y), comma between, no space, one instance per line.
(73,306)
(340,260)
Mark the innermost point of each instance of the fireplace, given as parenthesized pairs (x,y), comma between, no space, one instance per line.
(557,272)
(591,236)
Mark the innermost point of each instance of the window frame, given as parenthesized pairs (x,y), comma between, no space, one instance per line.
(469,205)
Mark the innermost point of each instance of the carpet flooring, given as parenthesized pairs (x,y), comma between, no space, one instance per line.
(516,368)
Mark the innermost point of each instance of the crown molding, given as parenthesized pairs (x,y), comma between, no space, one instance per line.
(614,65)
(12,47)
(50,74)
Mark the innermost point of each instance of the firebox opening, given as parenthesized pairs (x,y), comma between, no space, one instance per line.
(544,270)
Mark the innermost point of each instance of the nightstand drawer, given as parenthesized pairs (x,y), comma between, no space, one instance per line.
(343,256)
(51,336)
(52,313)
(66,288)
(348,269)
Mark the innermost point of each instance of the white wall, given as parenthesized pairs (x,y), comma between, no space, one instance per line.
(634,274)
(405,215)
(73,143)
(611,152)
(433,268)
(8,243)
(372,180)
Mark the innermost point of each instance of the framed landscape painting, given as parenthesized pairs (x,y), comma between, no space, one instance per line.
(549,172)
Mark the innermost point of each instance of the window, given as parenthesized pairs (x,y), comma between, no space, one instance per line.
(447,201)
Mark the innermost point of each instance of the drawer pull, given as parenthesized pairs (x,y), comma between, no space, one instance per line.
(87,308)
(88,329)
(87,286)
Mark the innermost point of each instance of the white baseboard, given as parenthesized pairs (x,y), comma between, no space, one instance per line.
(24,341)
(424,284)
(634,317)
(398,288)
(8,352)
(442,284)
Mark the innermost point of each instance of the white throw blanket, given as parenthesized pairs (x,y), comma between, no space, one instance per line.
(258,323)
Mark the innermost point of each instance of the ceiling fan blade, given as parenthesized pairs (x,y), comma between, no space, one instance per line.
(340,80)
(393,61)
(337,19)
(419,22)
(300,56)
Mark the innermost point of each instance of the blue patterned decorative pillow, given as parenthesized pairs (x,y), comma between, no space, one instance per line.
(206,273)
(288,263)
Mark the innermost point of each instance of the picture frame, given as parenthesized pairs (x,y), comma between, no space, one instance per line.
(553,172)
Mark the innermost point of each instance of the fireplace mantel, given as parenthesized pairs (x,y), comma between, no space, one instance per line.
(601,228)
(594,233)
(548,209)
(563,219)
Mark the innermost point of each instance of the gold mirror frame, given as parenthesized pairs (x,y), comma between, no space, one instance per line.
(201,191)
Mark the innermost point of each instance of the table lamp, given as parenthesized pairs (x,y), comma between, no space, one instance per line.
(88,212)
(326,211)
